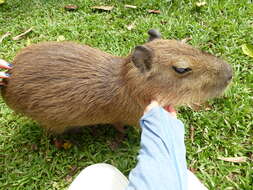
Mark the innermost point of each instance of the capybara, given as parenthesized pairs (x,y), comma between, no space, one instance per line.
(64,84)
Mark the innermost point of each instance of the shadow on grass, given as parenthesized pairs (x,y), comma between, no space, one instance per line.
(30,133)
(29,156)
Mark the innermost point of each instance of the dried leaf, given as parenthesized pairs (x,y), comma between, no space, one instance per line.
(233,159)
(193,170)
(130,6)
(22,34)
(248,49)
(154,11)
(114,145)
(201,4)
(4,36)
(130,26)
(60,38)
(67,145)
(232,176)
(71,7)
(34,147)
(197,107)
(208,108)
(71,173)
(185,40)
(58,143)
(73,170)
(68,178)
(104,8)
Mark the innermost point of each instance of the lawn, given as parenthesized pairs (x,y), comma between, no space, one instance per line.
(29,159)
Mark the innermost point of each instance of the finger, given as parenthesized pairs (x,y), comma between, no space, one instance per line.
(5,65)
(4,75)
(171,110)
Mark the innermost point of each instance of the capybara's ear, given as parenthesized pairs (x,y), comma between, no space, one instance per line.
(142,58)
(153,34)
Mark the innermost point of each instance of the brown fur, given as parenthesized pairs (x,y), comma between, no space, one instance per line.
(63,84)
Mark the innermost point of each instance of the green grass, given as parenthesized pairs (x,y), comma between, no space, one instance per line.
(28,159)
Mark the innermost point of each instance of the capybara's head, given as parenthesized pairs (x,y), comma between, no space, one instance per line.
(177,73)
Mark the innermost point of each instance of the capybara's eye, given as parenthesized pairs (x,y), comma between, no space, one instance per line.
(181,70)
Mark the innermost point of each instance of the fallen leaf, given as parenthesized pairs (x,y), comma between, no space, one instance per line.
(67,145)
(154,11)
(207,106)
(130,26)
(233,159)
(2,1)
(4,36)
(248,49)
(34,147)
(104,8)
(22,34)
(232,176)
(197,107)
(71,7)
(114,145)
(71,173)
(58,143)
(60,38)
(73,170)
(130,6)
(68,178)
(185,40)
(201,4)
(193,170)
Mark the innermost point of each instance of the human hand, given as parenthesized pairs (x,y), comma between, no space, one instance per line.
(171,110)
(4,65)
(168,108)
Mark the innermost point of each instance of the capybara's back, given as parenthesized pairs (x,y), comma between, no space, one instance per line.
(62,84)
